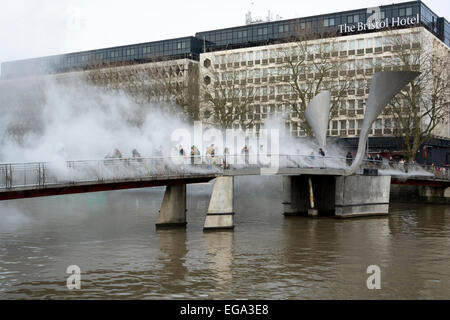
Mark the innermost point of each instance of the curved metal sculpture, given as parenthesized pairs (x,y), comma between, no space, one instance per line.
(317,114)
(385,85)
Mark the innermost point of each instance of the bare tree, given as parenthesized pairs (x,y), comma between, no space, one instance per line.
(311,67)
(419,109)
(227,98)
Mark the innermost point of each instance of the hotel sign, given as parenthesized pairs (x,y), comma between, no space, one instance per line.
(374,22)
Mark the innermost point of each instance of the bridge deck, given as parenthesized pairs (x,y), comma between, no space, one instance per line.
(25,180)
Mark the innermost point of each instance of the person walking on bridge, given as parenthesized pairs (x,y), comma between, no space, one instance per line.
(349,159)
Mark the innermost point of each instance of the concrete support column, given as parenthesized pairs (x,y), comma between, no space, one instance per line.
(297,195)
(173,207)
(434,194)
(221,210)
(362,196)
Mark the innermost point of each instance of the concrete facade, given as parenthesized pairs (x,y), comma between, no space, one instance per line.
(221,205)
(173,207)
(362,195)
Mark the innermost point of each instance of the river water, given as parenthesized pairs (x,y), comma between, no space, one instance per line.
(111,236)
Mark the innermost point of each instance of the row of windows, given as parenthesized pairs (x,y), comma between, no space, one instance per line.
(279,29)
(348,65)
(130,53)
(317,48)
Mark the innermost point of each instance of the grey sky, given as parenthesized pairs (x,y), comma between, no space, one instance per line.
(32,28)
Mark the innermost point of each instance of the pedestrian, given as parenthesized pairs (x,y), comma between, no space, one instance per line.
(135,154)
(117,154)
(321,152)
(226,153)
(245,152)
(378,160)
(349,158)
(192,154)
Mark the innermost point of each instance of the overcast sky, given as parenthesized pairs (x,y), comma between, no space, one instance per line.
(32,28)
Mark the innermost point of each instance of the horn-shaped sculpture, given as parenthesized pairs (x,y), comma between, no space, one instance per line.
(317,114)
(385,85)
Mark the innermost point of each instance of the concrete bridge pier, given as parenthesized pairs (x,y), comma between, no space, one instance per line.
(430,194)
(362,195)
(221,207)
(341,196)
(173,207)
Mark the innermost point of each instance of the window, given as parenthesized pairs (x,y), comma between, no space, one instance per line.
(257,55)
(360,64)
(351,65)
(387,41)
(243,56)
(369,43)
(356,18)
(378,62)
(351,124)
(334,125)
(283,28)
(351,45)
(343,124)
(328,22)
(335,46)
(378,42)
(343,45)
(387,124)
(378,124)
(250,56)
(262,31)
(369,63)
(265,72)
(273,54)
(409,11)
(402,12)
(351,104)
(406,38)
(360,123)
(265,54)
(360,104)
(361,84)
(361,44)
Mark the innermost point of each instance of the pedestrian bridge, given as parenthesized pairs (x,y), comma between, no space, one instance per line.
(309,182)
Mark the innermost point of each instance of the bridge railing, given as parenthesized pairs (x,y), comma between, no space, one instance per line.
(41,174)
(23,175)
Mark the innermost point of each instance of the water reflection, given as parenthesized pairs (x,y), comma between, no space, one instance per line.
(219,246)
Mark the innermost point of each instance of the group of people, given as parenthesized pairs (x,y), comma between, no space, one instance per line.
(116,154)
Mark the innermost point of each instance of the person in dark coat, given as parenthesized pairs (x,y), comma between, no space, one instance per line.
(321,152)
(349,158)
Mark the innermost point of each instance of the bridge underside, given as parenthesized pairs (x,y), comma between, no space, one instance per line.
(96,187)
